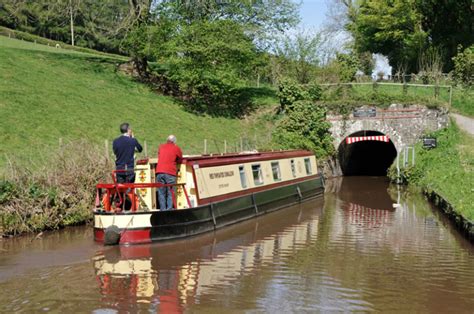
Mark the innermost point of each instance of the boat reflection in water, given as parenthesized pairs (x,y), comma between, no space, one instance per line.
(170,276)
(363,207)
(235,262)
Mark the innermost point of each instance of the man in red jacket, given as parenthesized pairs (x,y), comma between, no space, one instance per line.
(169,155)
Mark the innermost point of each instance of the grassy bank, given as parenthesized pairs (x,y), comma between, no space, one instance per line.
(463,101)
(48,94)
(448,169)
(59,106)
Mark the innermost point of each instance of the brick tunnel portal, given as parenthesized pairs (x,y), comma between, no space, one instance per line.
(366,158)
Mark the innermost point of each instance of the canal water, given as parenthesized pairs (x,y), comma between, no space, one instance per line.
(351,251)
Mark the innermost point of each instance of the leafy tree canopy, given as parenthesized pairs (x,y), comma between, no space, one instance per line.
(97,24)
(392,28)
(403,29)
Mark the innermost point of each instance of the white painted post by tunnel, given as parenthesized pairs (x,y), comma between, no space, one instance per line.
(398,167)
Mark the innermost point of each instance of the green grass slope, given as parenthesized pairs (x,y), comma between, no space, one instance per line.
(48,94)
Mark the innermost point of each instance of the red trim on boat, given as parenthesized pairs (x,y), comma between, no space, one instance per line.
(136,236)
(254,190)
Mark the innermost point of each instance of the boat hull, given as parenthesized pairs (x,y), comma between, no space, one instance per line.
(146,227)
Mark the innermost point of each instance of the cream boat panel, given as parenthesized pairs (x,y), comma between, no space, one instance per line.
(122,221)
(219,180)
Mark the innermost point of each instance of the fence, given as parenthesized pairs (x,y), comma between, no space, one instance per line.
(209,146)
(402,87)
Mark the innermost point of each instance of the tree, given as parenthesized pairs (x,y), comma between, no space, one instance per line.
(403,29)
(347,65)
(262,19)
(340,13)
(448,24)
(366,62)
(87,23)
(209,61)
(136,23)
(300,54)
(464,66)
(392,28)
(73,7)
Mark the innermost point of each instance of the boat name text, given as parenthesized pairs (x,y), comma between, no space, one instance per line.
(218,175)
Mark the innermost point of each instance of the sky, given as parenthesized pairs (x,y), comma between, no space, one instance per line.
(313,13)
(313,16)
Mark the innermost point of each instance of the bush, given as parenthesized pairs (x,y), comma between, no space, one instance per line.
(464,66)
(289,92)
(315,92)
(305,127)
(52,196)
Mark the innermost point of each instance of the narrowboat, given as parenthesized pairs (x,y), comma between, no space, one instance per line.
(212,191)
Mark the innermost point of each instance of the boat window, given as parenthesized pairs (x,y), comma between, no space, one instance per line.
(257,174)
(243,179)
(293,168)
(307,165)
(276,171)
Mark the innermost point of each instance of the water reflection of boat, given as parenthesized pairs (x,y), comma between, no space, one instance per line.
(363,207)
(212,192)
(360,191)
(177,273)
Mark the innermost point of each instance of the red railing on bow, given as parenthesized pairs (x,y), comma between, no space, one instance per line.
(122,190)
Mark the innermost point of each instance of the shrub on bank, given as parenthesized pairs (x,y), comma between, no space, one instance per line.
(49,197)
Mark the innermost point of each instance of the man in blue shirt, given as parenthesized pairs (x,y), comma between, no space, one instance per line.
(124,148)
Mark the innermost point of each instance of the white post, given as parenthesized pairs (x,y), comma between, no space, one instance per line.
(398,167)
(225,147)
(205,146)
(145,149)
(450,96)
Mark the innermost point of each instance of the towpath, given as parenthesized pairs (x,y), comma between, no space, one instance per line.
(465,123)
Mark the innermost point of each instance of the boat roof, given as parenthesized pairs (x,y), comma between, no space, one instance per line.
(244,157)
(209,160)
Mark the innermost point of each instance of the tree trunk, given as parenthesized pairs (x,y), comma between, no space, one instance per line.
(139,9)
(141,66)
(71,13)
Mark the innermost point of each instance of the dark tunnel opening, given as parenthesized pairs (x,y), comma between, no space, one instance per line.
(366,158)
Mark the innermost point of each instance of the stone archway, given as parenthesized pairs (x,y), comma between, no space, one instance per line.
(366,157)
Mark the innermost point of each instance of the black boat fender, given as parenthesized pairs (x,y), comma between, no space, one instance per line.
(112,235)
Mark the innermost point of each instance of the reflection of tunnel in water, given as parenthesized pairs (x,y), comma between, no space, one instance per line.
(366,157)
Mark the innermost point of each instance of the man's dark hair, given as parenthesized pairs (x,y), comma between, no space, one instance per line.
(124,128)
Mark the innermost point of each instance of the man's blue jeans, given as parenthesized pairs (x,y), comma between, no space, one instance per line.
(165,195)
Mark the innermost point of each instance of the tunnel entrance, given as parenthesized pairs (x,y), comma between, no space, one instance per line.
(366,158)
